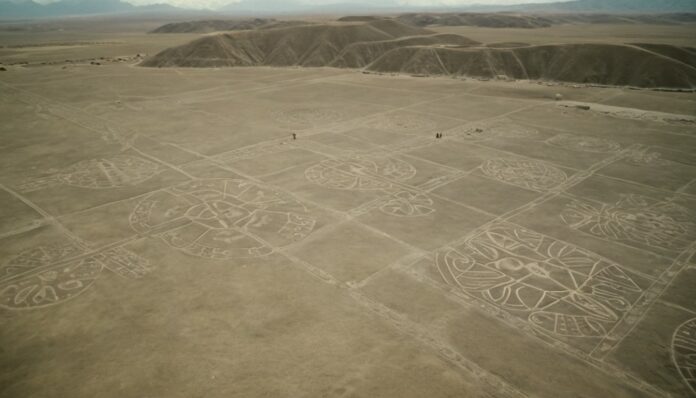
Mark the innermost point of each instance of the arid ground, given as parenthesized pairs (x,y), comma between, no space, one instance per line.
(162,234)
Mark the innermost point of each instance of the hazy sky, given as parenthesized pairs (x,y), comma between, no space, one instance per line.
(215,3)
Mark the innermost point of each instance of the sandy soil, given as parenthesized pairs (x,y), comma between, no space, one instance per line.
(163,235)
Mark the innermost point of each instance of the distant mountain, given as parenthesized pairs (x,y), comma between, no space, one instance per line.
(480,19)
(263,6)
(528,20)
(75,7)
(611,6)
(297,7)
(10,9)
(208,26)
(582,6)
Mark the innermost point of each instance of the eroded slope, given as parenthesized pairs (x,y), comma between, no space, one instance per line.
(316,45)
(620,65)
(212,25)
(389,46)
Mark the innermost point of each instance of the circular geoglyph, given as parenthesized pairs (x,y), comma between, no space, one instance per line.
(684,352)
(360,173)
(525,173)
(221,219)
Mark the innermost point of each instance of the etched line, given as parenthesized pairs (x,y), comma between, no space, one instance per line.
(684,352)
(641,307)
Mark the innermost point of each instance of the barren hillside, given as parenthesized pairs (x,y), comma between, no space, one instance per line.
(209,26)
(358,18)
(393,47)
(686,55)
(530,21)
(488,20)
(316,45)
(620,65)
(212,26)
(359,55)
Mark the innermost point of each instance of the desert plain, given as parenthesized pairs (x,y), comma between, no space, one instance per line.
(164,234)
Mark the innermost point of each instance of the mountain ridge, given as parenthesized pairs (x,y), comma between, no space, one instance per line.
(308,45)
(30,9)
(389,46)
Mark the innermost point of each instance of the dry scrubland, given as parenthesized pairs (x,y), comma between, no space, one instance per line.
(162,235)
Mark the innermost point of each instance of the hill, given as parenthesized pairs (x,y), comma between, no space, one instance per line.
(530,21)
(599,18)
(213,26)
(312,45)
(393,47)
(358,18)
(486,20)
(686,55)
(359,55)
(620,65)
(613,6)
